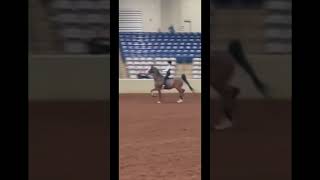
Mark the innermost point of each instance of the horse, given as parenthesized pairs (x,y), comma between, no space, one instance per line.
(171,83)
(222,69)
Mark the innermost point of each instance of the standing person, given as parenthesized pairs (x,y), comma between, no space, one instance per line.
(171,29)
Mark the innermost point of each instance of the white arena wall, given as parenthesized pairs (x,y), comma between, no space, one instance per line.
(85,77)
(163,13)
(274,70)
(69,77)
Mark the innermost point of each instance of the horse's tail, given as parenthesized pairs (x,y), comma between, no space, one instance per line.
(184,78)
(236,50)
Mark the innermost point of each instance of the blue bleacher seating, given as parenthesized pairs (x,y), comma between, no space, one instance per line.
(182,46)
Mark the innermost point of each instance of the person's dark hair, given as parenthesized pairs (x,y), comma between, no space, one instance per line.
(170,62)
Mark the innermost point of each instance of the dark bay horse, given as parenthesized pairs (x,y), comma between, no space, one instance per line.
(176,83)
(222,68)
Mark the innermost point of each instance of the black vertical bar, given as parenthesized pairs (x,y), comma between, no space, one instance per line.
(205,89)
(114,90)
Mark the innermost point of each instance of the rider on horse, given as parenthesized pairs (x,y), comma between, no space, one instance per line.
(168,73)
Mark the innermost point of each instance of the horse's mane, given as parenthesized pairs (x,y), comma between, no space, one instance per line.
(156,71)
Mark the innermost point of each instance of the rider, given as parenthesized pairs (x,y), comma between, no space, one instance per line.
(168,73)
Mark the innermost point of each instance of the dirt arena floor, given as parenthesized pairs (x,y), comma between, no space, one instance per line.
(160,141)
(69,140)
(258,147)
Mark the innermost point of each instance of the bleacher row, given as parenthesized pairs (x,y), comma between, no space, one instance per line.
(278,31)
(140,65)
(196,68)
(78,21)
(182,46)
(140,50)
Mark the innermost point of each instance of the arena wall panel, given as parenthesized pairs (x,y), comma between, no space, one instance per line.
(84,77)
(151,12)
(274,70)
(76,77)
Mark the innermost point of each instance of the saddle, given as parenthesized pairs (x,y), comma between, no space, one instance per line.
(166,83)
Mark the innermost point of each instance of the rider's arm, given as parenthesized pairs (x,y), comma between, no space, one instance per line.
(167,68)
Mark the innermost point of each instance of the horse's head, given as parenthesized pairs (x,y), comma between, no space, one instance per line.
(152,70)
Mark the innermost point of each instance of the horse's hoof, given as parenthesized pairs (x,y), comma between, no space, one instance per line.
(223,125)
(159,102)
(180,101)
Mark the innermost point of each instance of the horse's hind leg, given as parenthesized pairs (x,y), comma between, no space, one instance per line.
(151,91)
(181,93)
(229,97)
(219,121)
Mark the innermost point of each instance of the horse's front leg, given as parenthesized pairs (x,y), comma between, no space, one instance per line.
(151,91)
(159,92)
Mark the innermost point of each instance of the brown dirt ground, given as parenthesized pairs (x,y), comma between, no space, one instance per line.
(70,140)
(160,141)
(258,147)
